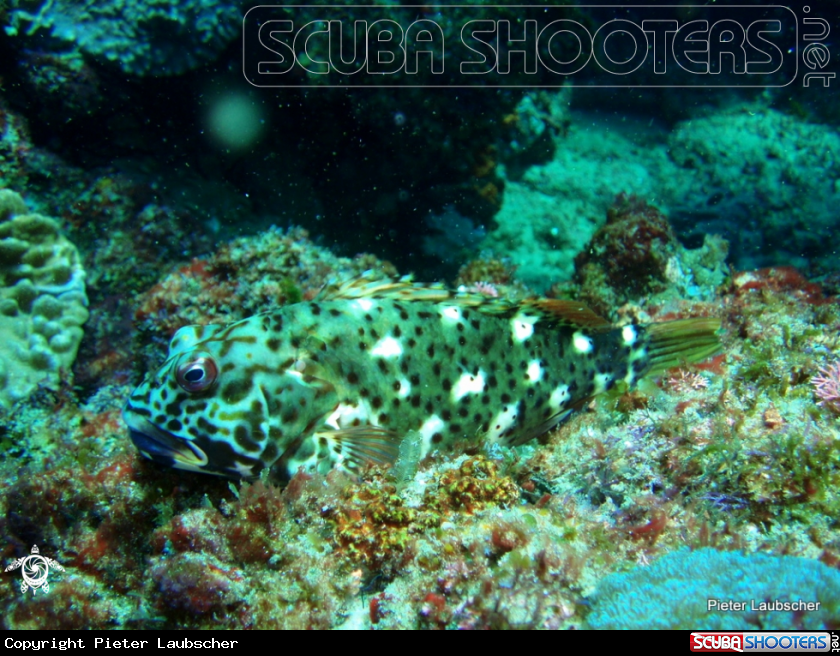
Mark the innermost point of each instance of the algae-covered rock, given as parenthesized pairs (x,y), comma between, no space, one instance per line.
(42,300)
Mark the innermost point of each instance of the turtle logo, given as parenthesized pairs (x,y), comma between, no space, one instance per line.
(35,569)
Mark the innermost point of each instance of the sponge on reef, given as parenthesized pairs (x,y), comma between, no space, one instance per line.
(42,301)
(675,593)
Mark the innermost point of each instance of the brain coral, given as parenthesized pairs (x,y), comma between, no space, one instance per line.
(42,300)
(673,593)
(143,37)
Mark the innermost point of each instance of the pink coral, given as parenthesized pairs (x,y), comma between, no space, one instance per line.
(827,386)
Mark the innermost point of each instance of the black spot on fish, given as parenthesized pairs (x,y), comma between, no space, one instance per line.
(174,425)
(269,453)
(273,343)
(430,351)
(415,401)
(376,402)
(240,434)
(418,330)
(206,427)
(446,414)
(397,385)
(424,315)
(462,341)
(172,409)
(335,312)
(463,412)
(352,378)
(316,309)
(415,379)
(437,438)
(383,366)
(289,415)
(447,384)
(412,342)
(397,331)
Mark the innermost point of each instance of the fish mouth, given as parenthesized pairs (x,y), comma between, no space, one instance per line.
(163,447)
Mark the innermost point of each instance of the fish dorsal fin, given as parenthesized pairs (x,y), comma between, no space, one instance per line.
(405,289)
(368,286)
(562,312)
(568,313)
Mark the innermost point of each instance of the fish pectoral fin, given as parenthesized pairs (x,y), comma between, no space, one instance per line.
(540,429)
(361,445)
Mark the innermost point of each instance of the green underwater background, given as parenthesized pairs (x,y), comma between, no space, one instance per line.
(146,185)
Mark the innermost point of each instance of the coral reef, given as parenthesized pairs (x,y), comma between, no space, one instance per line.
(674,593)
(512,538)
(245,276)
(42,301)
(721,478)
(635,254)
(149,37)
(774,172)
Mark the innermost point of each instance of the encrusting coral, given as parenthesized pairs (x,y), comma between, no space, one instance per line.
(42,300)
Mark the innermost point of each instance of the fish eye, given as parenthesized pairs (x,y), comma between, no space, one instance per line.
(197,374)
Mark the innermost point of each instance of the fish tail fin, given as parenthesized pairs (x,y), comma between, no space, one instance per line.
(685,341)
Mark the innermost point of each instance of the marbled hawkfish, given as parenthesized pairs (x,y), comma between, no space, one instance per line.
(341,380)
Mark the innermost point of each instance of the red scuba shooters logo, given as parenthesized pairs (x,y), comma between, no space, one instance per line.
(761,641)
(717,642)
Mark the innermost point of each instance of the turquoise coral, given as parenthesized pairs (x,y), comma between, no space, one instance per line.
(675,591)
